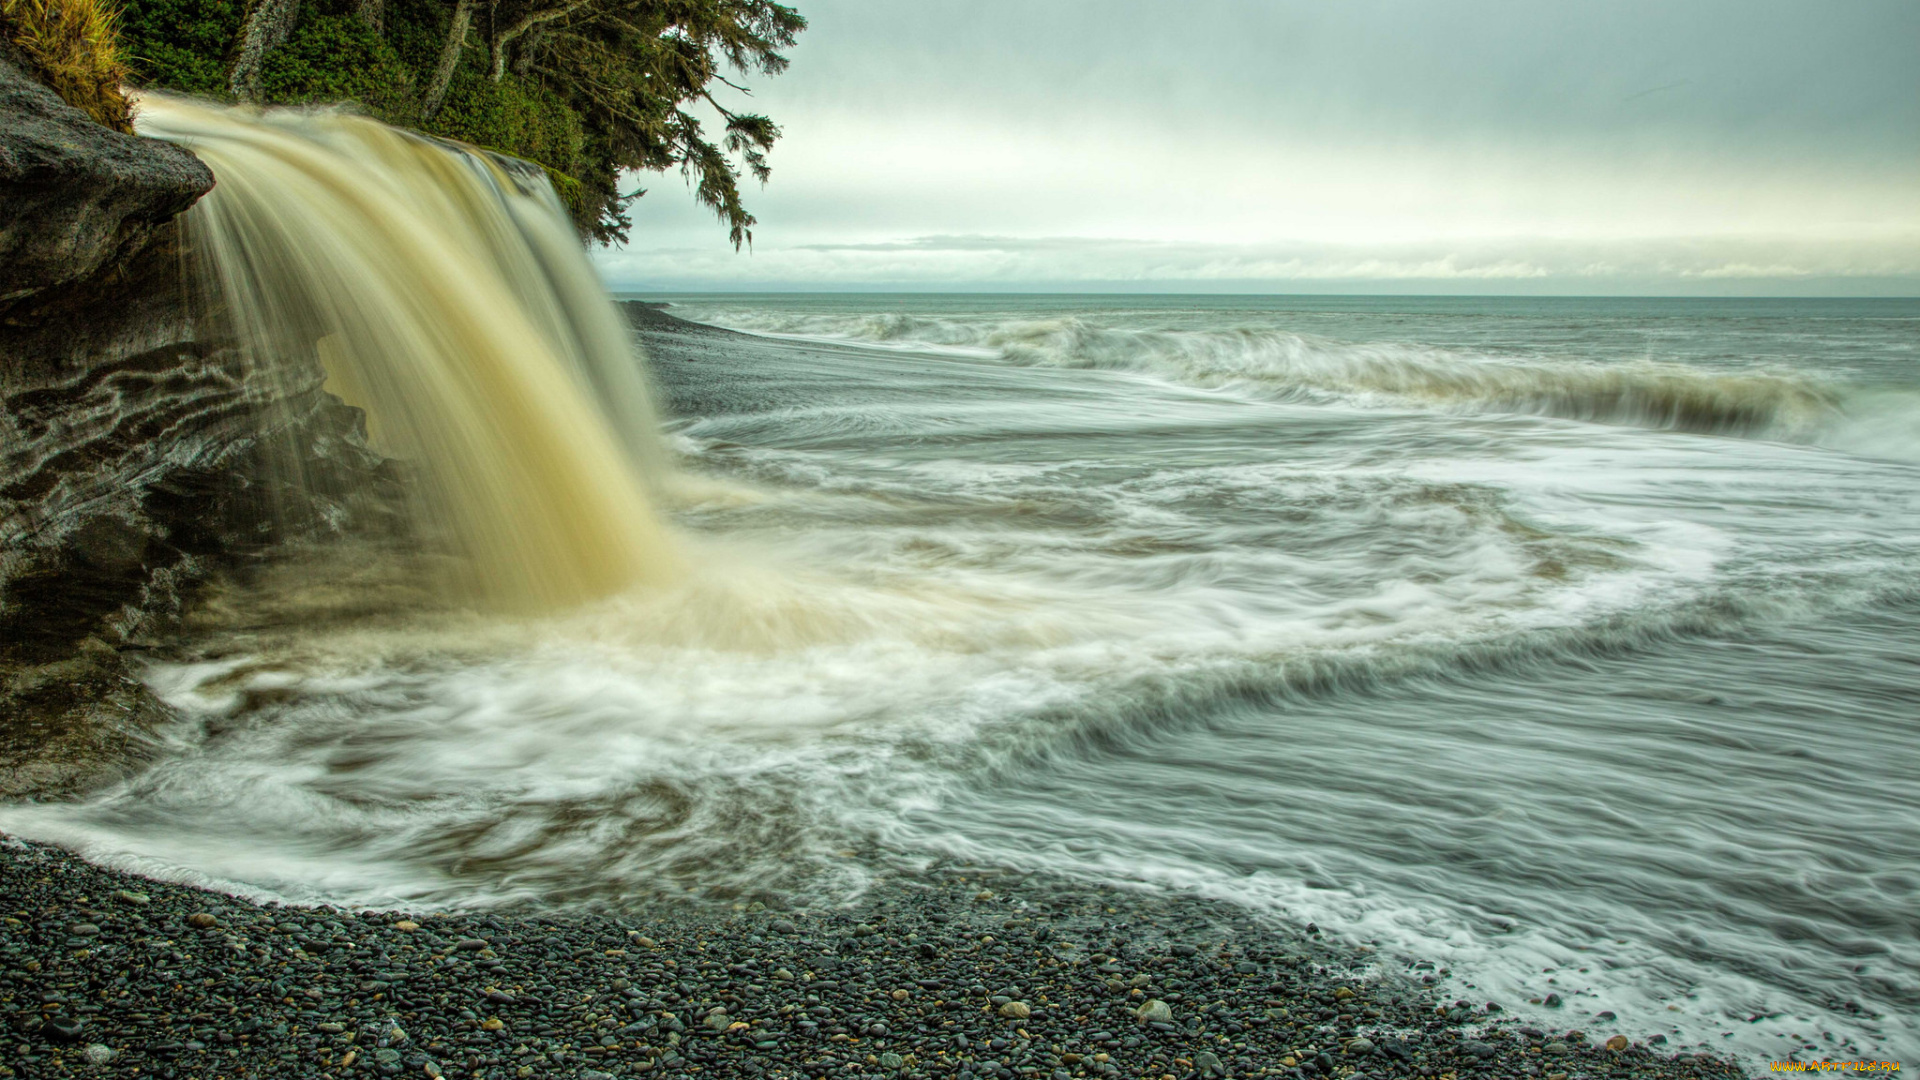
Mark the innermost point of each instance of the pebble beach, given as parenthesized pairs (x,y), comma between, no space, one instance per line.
(961,973)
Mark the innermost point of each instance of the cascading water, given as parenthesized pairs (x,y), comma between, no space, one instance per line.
(451,300)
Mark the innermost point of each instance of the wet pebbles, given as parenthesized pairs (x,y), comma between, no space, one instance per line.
(958,976)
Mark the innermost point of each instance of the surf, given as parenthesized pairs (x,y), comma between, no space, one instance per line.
(1756,402)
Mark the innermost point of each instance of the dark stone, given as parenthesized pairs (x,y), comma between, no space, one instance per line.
(77,197)
(138,451)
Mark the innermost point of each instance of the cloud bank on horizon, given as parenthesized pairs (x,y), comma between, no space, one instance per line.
(1717,146)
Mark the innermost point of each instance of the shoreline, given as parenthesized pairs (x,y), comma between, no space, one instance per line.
(964,973)
(275,990)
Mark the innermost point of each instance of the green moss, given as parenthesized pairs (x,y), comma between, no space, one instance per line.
(417,29)
(511,116)
(339,58)
(334,56)
(181,44)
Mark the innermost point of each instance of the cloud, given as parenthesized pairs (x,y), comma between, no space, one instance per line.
(1110,143)
(1685,264)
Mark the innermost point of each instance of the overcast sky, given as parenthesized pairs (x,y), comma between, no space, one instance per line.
(1583,146)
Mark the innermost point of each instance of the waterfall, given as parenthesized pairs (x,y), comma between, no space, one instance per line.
(450,299)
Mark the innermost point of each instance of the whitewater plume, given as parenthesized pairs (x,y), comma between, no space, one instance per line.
(1292,366)
(447,296)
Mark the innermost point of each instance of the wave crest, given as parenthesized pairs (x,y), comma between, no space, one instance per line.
(1766,404)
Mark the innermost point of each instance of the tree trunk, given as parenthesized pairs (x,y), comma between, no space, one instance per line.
(449,59)
(372,12)
(523,59)
(268,25)
(497,44)
(499,50)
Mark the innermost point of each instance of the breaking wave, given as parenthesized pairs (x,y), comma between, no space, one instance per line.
(1771,404)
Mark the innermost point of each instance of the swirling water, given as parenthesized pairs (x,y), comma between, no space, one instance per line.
(1572,645)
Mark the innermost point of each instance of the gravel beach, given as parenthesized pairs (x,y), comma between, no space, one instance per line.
(958,974)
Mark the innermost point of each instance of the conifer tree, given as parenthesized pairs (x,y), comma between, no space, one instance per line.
(629,79)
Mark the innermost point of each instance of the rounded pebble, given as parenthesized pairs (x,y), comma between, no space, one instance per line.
(1040,979)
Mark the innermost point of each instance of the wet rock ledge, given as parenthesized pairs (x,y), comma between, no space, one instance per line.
(138,450)
(958,974)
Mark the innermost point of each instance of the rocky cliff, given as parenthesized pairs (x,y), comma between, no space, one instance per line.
(138,450)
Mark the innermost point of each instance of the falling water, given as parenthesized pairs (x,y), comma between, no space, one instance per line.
(449,298)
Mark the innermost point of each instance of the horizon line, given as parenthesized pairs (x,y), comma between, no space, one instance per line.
(831,290)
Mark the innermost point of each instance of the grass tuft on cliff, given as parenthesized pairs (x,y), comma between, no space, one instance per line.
(74,47)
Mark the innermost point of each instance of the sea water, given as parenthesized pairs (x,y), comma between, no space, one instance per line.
(1570,646)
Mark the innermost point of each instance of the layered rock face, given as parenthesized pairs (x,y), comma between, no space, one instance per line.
(138,450)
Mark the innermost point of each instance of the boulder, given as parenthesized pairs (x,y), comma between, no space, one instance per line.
(76,196)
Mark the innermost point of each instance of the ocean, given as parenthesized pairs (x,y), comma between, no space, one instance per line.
(1569,648)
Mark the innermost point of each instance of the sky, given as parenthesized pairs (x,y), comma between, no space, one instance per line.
(1692,147)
